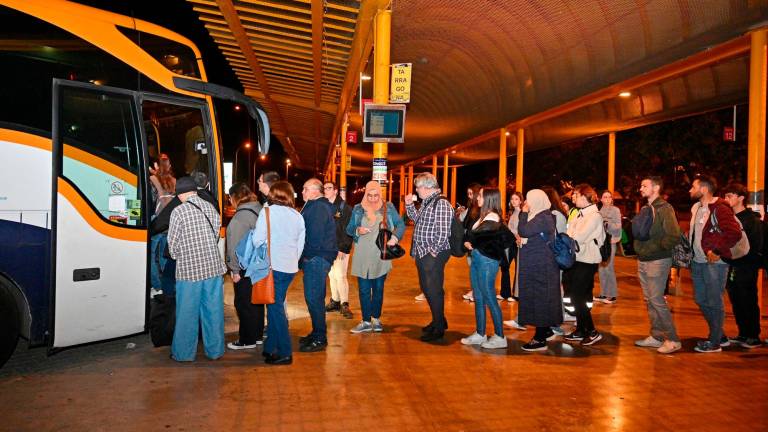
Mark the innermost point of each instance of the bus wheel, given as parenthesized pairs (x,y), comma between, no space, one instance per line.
(9,324)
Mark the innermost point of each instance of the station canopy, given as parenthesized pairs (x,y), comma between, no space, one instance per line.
(554,68)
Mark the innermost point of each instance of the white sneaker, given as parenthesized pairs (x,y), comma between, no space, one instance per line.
(668,347)
(378,327)
(649,342)
(474,339)
(498,297)
(469,296)
(420,297)
(568,317)
(363,327)
(514,325)
(495,342)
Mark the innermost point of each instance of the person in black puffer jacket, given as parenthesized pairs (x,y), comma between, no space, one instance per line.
(486,240)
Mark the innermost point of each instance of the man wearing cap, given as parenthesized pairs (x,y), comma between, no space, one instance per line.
(193,235)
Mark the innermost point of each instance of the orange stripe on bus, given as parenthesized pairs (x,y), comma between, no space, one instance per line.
(94,220)
(37,141)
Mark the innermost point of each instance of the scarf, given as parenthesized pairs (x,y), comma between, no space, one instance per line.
(372,207)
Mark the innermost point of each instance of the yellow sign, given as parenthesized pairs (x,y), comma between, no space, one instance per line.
(400,87)
(349,162)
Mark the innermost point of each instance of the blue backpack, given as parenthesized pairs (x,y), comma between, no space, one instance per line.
(564,248)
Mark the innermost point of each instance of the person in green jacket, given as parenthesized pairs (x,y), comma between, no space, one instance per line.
(654,260)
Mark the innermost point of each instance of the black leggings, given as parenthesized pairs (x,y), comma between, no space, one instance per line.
(251,315)
(581,279)
(506,286)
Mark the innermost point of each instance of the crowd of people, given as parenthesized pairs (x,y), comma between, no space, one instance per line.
(726,251)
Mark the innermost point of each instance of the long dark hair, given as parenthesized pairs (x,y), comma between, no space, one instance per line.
(491,202)
(473,210)
(554,199)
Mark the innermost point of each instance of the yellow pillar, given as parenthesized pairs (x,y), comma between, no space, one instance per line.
(401,205)
(381,89)
(445,174)
(503,169)
(389,188)
(333,165)
(410,179)
(434,166)
(756,130)
(343,165)
(612,161)
(453,186)
(520,154)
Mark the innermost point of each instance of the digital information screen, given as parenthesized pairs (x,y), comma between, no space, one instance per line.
(384,123)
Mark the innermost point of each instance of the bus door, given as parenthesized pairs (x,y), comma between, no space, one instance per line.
(99,229)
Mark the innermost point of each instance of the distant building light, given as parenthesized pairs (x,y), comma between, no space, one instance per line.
(365,77)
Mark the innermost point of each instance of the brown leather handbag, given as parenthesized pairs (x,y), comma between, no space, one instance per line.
(263,291)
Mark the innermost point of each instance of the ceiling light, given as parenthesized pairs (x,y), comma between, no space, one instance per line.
(453,151)
(506,133)
(365,77)
(625,94)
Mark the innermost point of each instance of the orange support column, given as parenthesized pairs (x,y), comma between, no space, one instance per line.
(612,161)
(756,140)
(520,155)
(343,161)
(410,179)
(445,174)
(434,166)
(381,89)
(401,205)
(503,170)
(453,186)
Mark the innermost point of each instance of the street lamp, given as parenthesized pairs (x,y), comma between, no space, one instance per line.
(287,164)
(247,146)
(262,158)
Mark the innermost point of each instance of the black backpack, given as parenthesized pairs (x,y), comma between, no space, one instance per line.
(162,319)
(642,223)
(605,248)
(456,238)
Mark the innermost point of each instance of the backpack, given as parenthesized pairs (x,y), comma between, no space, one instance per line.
(456,237)
(741,248)
(642,223)
(244,247)
(605,248)
(564,248)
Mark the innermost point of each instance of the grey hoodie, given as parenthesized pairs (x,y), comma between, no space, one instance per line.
(242,222)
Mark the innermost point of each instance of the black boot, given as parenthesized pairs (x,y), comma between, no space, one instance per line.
(345,312)
(332,306)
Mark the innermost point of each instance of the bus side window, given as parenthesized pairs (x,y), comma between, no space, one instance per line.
(101,154)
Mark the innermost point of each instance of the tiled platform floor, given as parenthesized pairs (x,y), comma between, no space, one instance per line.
(392,381)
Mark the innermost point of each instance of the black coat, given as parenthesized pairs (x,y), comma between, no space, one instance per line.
(342,212)
(491,239)
(539,276)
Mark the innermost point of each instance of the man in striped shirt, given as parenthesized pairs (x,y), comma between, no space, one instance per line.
(431,248)
(193,235)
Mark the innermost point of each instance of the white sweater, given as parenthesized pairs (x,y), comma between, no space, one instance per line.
(585,229)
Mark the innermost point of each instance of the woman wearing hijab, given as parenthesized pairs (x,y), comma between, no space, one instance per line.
(539,277)
(367,265)
(487,240)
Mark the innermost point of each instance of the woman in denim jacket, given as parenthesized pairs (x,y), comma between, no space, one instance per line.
(367,265)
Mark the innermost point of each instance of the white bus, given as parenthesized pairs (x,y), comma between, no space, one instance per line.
(88,98)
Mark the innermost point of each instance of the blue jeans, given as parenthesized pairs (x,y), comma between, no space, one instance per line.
(278,340)
(315,274)
(708,286)
(157,260)
(371,297)
(483,277)
(195,302)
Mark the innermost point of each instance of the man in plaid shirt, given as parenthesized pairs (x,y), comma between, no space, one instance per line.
(193,236)
(431,248)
